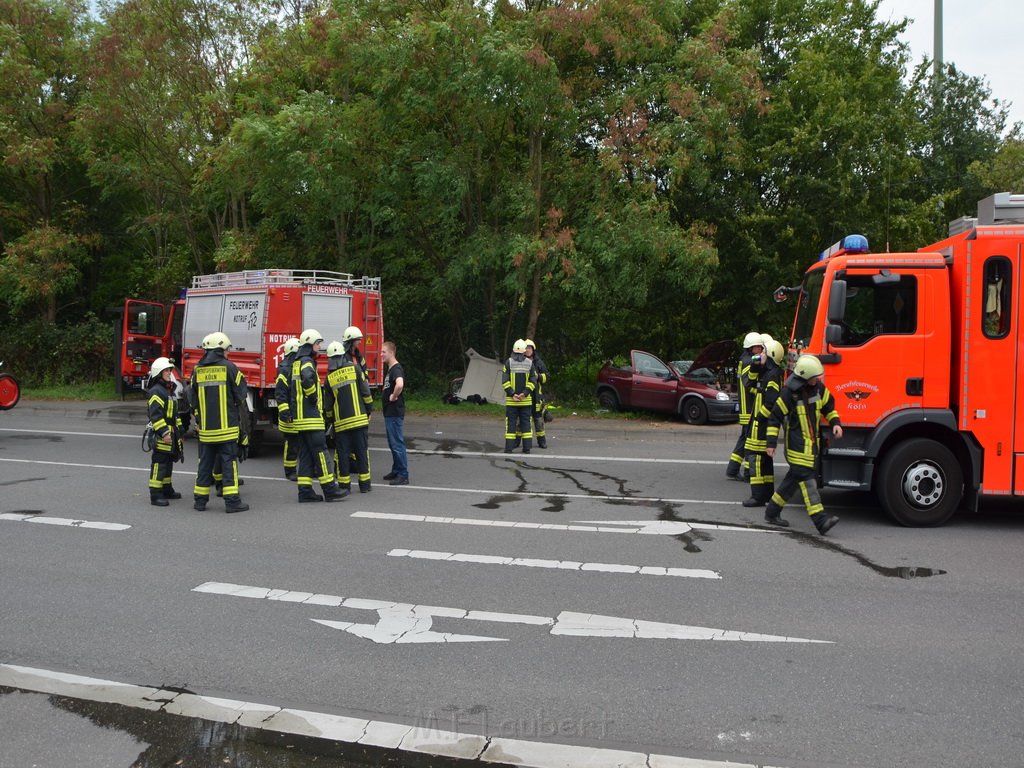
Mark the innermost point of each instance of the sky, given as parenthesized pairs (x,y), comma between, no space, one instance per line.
(981,37)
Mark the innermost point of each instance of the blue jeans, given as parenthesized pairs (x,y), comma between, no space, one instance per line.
(396,442)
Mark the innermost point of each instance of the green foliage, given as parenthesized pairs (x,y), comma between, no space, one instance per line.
(40,354)
(598,176)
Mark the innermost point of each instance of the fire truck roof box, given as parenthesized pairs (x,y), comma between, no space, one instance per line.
(1000,208)
(284,277)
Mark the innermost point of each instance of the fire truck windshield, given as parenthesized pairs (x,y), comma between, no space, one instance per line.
(807,307)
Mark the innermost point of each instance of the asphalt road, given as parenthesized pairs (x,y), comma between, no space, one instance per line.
(572,628)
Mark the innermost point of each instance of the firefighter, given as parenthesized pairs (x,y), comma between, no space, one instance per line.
(285,419)
(762,466)
(803,402)
(751,362)
(540,406)
(305,404)
(348,405)
(519,381)
(167,431)
(218,390)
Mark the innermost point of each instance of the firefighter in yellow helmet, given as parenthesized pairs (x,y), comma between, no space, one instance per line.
(167,432)
(285,419)
(539,404)
(306,404)
(762,466)
(751,362)
(519,381)
(348,405)
(800,408)
(218,391)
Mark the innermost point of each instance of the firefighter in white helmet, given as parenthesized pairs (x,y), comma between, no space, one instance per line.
(217,393)
(306,405)
(519,380)
(751,362)
(348,405)
(540,406)
(762,466)
(284,415)
(801,406)
(167,432)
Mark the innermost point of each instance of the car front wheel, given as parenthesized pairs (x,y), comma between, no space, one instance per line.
(695,411)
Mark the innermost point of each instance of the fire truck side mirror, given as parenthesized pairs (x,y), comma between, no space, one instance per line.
(781,293)
(833,333)
(837,302)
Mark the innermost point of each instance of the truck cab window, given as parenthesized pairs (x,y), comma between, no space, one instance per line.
(876,310)
(996,301)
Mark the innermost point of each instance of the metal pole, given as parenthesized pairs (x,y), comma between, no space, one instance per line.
(938,41)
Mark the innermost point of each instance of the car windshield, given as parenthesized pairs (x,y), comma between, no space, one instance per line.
(807,307)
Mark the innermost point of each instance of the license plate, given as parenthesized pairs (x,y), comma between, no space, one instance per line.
(271,402)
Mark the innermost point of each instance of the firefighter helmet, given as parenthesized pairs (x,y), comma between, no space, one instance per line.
(766,340)
(519,346)
(776,350)
(310,336)
(206,340)
(752,339)
(160,365)
(807,367)
(352,333)
(217,340)
(335,348)
(529,343)
(292,345)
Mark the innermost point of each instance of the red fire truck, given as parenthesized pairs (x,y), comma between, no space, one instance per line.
(259,310)
(921,352)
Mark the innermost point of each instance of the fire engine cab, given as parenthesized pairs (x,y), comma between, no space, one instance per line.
(259,310)
(920,351)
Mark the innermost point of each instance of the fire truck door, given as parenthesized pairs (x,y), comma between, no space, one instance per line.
(881,350)
(142,336)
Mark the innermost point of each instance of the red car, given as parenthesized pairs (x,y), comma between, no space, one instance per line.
(652,385)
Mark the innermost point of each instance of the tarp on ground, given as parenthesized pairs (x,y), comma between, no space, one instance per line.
(483,378)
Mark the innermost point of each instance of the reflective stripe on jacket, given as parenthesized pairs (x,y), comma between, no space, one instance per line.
(801,410)
(305,395)
(347,396)
(518,378)
(769,384)
(218,389)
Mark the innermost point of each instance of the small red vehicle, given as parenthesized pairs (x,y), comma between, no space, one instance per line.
(650,384)
(10,390)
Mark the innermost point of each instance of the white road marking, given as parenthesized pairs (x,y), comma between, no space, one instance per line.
(412,622)
(340,728)
(435,452)
(645,527)
(35,518)
(438,488)
(565,565)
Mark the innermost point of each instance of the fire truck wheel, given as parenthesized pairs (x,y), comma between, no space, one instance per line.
(695,411)
(921,483)
(607,399)
(10,391)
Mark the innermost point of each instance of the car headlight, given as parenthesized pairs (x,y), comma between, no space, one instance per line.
(722,396)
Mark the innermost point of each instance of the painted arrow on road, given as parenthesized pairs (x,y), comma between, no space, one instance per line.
(408,623)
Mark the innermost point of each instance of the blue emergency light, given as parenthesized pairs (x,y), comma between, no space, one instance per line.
(849,244)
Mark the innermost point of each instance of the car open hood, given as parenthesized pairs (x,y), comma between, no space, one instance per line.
(716,355)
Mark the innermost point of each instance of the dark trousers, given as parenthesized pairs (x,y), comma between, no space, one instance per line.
(739,452)
(762,475)
(353,442)
(209,453)
(518,421)
(160,470)
(803,479)
(290,457)
(314,461)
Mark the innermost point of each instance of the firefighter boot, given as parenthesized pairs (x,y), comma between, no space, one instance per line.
(156,498)
(170,493)
(542,441)
(753,501)
(824,522)
(773,515)
(200,503)
(364,486)
(234,504)
(291,474)
(335,492)
(309,495)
